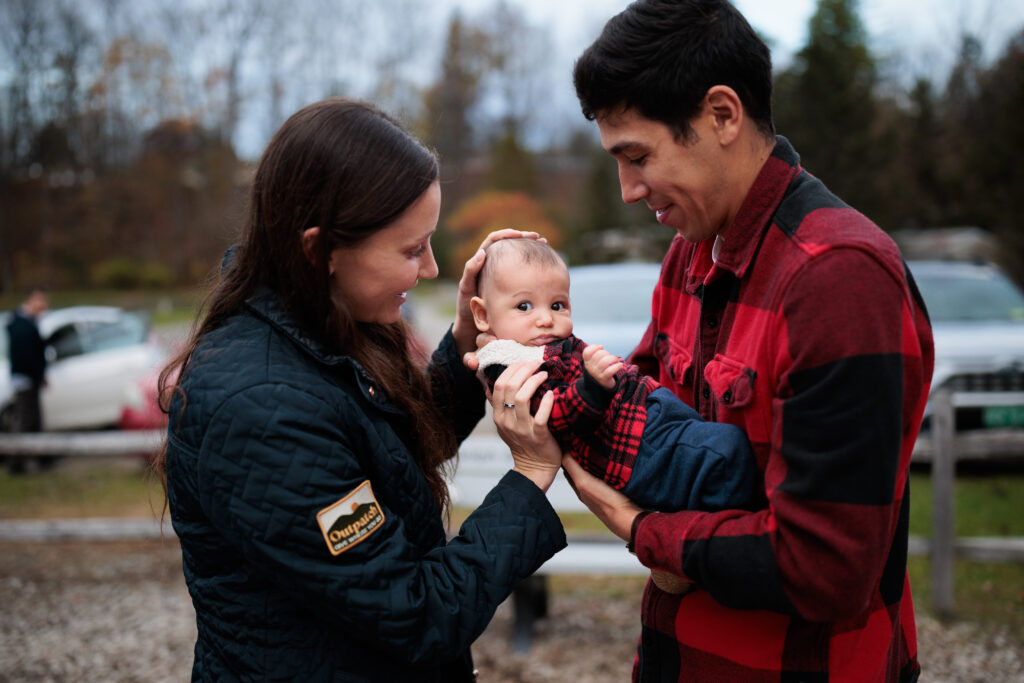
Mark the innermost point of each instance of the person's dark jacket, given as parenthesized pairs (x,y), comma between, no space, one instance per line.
(272,434)
(27,349)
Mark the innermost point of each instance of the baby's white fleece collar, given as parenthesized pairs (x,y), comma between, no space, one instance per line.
(506,352)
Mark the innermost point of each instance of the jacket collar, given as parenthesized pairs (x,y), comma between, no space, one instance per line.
(265,304)
(753,219)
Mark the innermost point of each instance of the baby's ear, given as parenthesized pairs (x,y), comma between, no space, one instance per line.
(479,308)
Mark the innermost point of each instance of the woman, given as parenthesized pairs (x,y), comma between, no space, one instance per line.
(305,452)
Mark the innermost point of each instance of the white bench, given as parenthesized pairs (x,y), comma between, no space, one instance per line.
(483,460)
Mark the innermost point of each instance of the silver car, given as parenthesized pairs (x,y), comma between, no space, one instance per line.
(977,316)
(611,303)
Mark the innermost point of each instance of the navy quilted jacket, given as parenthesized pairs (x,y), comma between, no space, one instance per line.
(298,568)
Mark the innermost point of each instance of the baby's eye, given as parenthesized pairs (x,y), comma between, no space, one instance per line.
(524,306)
(558,306)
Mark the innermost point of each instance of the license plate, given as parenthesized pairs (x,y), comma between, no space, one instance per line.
(1003,416)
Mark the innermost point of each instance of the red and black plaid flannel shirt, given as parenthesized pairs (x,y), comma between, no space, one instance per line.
(810,335)
(600,427)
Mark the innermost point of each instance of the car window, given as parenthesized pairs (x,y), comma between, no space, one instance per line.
(65,342)
(977,295)
(103,336)
(93,336)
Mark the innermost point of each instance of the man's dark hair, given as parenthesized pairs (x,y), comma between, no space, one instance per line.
(660,57)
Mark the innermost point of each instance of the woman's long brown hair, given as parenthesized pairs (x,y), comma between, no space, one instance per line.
(351,170)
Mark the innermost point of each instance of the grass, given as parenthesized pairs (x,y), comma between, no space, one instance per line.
(986,505)
(117,489)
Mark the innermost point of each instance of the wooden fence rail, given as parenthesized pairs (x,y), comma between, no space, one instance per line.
(948,446)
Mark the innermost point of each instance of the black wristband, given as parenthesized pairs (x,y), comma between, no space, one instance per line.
(593,393)
(631,545)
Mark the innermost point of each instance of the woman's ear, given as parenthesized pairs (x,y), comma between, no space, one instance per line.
(309,238)
(479,308)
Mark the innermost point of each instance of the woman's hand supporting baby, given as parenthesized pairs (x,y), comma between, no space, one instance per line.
(536,454)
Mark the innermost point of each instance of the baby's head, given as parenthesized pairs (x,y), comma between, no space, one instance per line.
(523,293)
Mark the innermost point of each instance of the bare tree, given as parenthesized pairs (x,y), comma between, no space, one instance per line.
(24,29)
(392,62)
(516,83)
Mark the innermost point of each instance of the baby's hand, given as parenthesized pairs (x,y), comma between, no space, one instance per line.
(601,365)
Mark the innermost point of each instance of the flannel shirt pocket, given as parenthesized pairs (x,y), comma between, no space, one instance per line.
(677,359)
(731,381)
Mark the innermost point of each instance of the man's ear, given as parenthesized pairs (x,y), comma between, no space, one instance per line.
(309,238)
(479,308)
(726,108)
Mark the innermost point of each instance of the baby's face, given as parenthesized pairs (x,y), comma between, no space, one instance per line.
(530,304)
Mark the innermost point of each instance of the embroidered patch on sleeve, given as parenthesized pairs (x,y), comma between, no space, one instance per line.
(351,520)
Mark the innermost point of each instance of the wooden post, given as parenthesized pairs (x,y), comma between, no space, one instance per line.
(943,503)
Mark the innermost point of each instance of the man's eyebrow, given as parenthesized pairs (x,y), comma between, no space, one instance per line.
(625,146)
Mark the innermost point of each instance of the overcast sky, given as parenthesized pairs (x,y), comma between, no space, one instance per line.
(917,25)
(913,38)
(922,34)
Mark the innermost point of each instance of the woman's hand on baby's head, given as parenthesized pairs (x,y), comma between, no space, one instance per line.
(601,365)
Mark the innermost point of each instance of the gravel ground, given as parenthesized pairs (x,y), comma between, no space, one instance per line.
(119,611)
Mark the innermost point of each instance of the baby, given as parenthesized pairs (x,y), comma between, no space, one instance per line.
(619,424)
(608,415)
(600,404)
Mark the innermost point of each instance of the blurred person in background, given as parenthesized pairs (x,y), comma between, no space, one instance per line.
(28,360)
(787,313)
(27,352)
(306,450)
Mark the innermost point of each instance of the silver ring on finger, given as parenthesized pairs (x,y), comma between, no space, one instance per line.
(508,405)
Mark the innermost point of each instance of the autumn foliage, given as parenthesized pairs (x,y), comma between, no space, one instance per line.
(478,216)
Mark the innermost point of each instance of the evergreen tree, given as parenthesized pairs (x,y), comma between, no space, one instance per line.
(993,156)
(511,166)
(449,104)
(825,103)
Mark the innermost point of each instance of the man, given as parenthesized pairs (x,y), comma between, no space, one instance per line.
(787,313)
(28,361)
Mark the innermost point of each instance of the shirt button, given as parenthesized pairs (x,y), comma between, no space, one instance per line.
(712,322)
(727,396)
(706,393)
